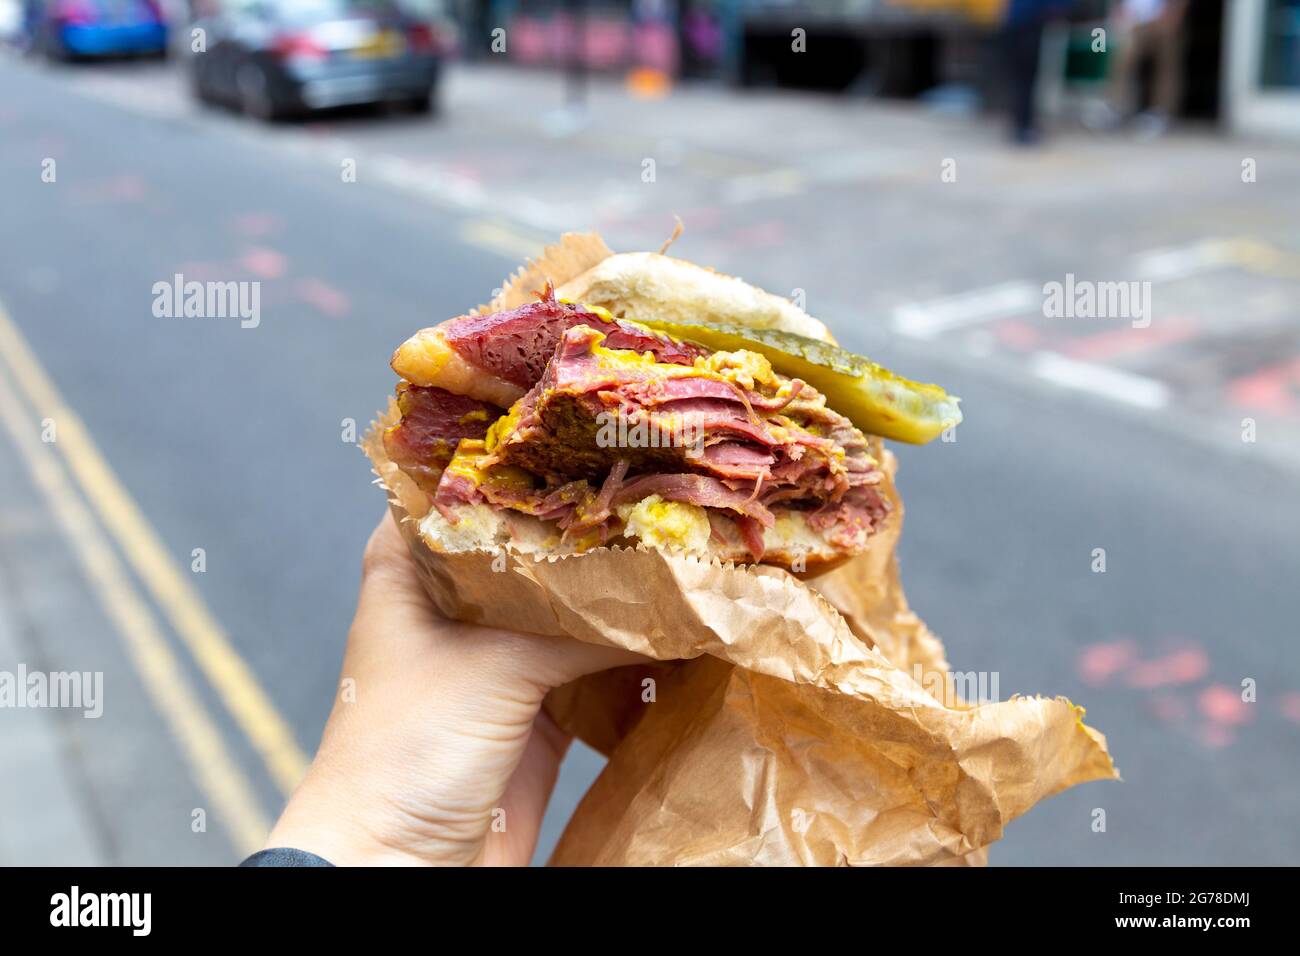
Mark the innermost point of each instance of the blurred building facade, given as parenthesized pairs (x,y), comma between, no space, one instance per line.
(1241,68)
(1261,79)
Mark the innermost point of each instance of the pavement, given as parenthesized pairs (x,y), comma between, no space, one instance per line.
(1168,438)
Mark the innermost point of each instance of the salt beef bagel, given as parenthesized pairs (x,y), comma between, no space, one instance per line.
(573,421)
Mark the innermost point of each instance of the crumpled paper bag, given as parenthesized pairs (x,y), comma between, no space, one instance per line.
(780,721)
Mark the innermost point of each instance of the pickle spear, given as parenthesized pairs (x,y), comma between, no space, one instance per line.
(869,395)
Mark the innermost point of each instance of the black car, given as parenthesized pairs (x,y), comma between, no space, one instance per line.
(275,58)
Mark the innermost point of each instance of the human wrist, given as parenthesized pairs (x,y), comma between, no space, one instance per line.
(341,831)
(342,841)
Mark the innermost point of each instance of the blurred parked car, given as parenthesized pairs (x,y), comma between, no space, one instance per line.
(68,29)
(273,58)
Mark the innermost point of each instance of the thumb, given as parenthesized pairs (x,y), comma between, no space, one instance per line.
(391,590)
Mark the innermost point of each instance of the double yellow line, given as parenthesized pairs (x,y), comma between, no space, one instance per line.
(28,398)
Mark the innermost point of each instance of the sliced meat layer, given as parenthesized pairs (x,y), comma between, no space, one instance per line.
(516,345)
(433,423)
(498,356)
(596,405)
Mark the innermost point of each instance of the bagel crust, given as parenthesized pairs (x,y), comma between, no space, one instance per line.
(653,287)
(467,528)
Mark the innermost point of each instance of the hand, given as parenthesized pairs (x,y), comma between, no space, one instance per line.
(443,742)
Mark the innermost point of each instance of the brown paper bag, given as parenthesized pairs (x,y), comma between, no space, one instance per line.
(782,722)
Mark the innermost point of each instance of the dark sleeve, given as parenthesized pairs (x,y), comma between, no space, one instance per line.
(285,856)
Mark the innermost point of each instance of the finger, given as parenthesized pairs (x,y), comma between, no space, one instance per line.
(523,804)
(394,607)
(386,562)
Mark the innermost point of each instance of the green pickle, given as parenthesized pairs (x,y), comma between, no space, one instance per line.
(872,397)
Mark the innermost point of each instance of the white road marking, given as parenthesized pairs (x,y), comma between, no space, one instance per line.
(428,180)
(772,184)
(925,320)
(1103,380)
(502,238)
(135,93)
(1180,262)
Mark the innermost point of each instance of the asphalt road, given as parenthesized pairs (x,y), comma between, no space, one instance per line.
(233,440)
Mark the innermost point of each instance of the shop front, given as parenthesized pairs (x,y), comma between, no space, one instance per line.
(1262,82)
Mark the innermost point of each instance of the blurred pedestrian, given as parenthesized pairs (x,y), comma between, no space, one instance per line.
(1141,30)
(1022,40)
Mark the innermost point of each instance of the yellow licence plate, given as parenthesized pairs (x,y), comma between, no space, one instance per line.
(381,46)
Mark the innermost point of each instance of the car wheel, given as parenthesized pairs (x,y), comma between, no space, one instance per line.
(200,88)
(424,103)
(51,46)
(255,97)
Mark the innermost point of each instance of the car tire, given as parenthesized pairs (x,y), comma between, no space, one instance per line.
(199,88)
(51,47)
(254,92)
(424,104)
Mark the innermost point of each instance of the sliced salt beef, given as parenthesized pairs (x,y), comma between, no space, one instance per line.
(847,523)
(751,531)
(693,489)
(752,448)
(516,345)
(743,463)
(738,460)
(433,423)
(584,414)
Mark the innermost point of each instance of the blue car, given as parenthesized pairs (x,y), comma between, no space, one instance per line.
(68,29)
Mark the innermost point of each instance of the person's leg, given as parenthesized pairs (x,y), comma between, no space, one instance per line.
(1127,43)
(1023,42)
(1168,51)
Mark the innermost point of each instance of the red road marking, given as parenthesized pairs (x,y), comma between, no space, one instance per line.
(1271,389)
(1181,667)
(1223,705)
(1291,706)
(1115,342)
(1018,334)
(324,296)
(1224,711)
(263,262)
(1098,663)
